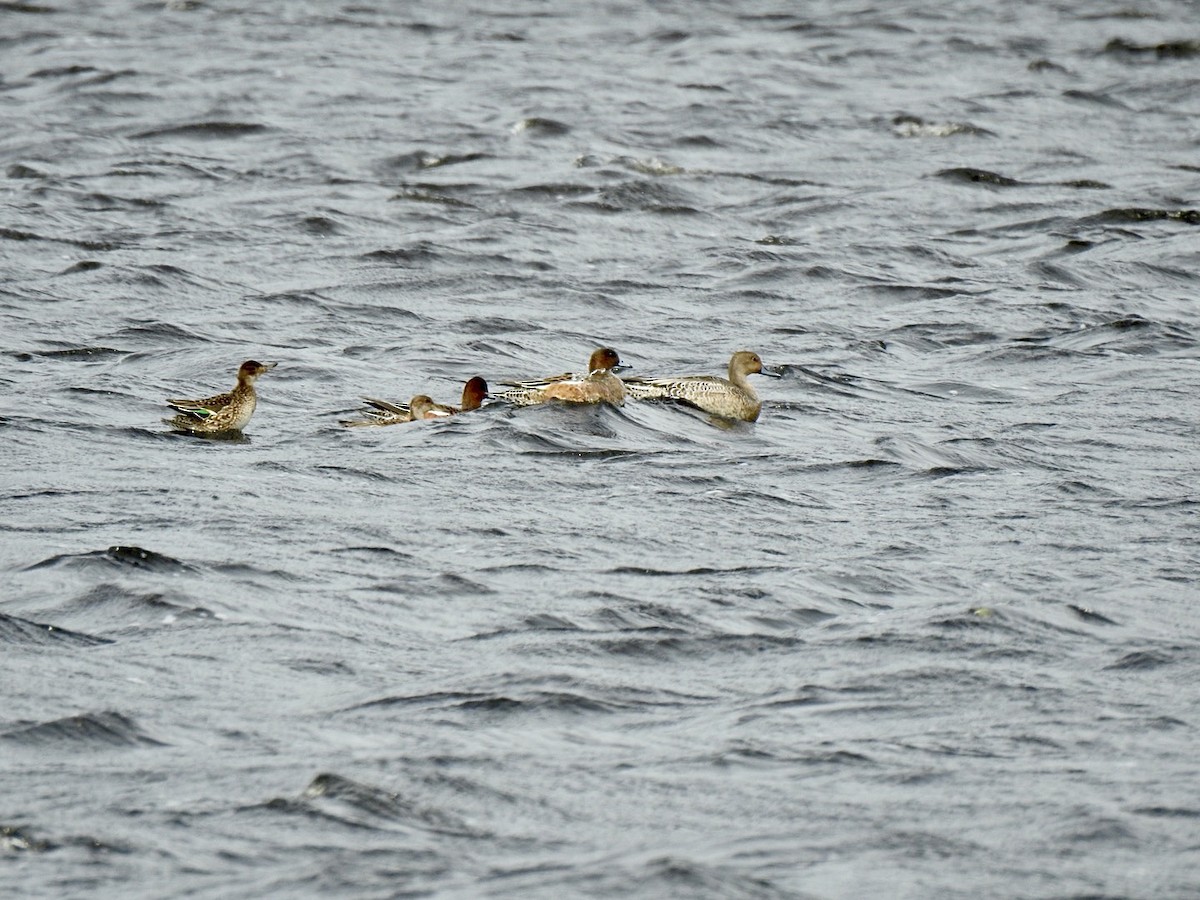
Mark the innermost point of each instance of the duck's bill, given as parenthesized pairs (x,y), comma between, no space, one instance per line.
(772,371)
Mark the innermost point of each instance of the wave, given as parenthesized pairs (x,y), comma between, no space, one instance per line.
(84,732)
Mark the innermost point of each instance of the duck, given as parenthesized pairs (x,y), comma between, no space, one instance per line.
(230,411)
(727,398)
(421,406)
(599,385)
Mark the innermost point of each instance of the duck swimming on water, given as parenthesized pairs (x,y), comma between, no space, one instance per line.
(421,406)
(230,411)
(599,385)
(729,398)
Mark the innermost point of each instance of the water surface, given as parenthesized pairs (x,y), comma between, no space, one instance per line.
(923,630)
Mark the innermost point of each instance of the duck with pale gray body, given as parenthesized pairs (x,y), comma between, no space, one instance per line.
(599,385)
(226,412)
(728,398)
(422,406)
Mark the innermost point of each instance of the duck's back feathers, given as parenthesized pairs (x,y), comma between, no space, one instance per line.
(209,404)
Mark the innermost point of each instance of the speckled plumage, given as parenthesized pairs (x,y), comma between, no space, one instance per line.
(731,398)
(230,411)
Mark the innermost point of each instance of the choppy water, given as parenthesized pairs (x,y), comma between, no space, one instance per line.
(925,630)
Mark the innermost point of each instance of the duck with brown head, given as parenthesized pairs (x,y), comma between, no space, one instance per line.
(230,411)
(599,385)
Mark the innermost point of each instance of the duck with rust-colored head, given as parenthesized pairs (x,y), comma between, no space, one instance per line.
(728,398)
(599,385)
(230,411)
(382,412)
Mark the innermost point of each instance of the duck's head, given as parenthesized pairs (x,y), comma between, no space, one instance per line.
(252,368)
(604,358)
(747,362)
(423,407)
(420,403)
(475,392)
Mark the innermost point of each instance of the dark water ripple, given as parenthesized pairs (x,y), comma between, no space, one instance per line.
(91,731)
(15,630)
(922,630)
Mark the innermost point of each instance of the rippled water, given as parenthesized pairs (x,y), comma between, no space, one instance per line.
(924,630)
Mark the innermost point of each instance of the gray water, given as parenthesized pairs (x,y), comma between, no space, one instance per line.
(926,629)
